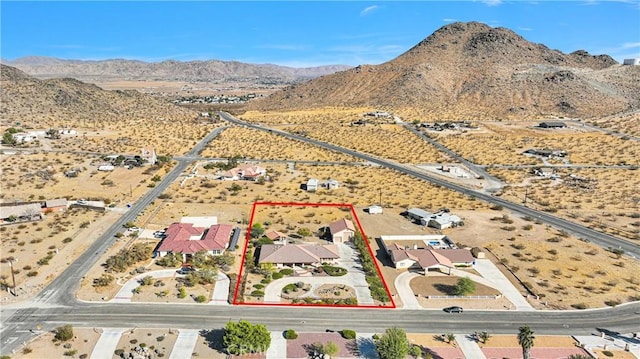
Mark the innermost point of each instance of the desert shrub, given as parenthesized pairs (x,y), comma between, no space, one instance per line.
(286,271)
(160,338)
(133,341)
(334,271)
(200,299)
(67,240)
(290,334)
(103,281)
(257,293)
(32,273)
(277,275)
(613,302)
(70,353)
(118,352)
(348,333)
(63,333)
(607,353)
(579,306)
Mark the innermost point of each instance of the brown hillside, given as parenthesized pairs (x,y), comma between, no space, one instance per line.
(41,103)
(471,70)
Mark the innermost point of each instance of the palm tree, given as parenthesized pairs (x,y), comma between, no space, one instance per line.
(484,336)
(525,338)
(450,337)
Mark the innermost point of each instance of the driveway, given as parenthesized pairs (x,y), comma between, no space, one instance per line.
(220,290)
(405,293)
(489,271)
(354,278)
(491,277)
(107,343)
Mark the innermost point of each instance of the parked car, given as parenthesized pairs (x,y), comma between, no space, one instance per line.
(158,234)
(134,229)
(454,309)
(81,201)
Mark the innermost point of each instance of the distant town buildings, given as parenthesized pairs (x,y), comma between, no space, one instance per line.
(632,62)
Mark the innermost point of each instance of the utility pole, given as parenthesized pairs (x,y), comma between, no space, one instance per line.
(13,276)
(380,189)
(526,190)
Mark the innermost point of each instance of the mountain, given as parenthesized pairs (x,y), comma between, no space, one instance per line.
(471,70)
(36,103)
(191,71)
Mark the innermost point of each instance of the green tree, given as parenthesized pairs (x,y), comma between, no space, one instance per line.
(257,230)
(7,139)
(330,348)
(525,339)
(242,337)
(182,293)
(465,286)
(170,260)
(393,344)
(415,351)
(63,333)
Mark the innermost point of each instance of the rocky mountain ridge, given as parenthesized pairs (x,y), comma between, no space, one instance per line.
(191,71)
(473,71)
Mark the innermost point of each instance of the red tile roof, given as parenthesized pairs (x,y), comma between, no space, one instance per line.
(187,239)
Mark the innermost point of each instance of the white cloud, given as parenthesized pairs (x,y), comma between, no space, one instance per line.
(630,45)
(525,28)
(491,2)
(368,10)
(449,20)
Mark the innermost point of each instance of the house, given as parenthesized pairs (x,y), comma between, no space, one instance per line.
(375,209)
(149,155)
(245,172)
(276,236)
(297,254)
(552,124)
(442,220)
(546,152)
(312,184)
(58,204)
(418,215)
(427,259)
(543,172)
(425,252)
(22,137)
(632,62)
(186,239)
(330,184)
(20,213)
(342,231)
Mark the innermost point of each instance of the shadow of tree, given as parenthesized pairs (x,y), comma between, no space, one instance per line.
(364,348)
(213,338)
(445,288)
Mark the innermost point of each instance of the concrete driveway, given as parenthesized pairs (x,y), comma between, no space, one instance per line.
(405,293)
(354,278)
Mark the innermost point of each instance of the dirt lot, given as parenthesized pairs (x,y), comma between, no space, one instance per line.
(157,340)
(43,346)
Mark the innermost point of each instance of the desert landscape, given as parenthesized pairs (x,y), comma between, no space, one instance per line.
(108,149)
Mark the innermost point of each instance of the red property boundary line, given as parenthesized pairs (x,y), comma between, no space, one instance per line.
(296,204)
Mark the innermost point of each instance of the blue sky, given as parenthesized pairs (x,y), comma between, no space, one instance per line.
(299,33)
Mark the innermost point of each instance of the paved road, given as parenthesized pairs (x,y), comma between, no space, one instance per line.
(602,239)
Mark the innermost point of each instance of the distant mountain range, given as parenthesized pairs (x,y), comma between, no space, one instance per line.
(474,71)
(191,71)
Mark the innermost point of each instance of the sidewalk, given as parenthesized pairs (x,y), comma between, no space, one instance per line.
(185,343)
(278,347)
(107,343)
(469,346)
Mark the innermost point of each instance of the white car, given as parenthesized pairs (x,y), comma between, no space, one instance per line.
(81,201)
(134,229)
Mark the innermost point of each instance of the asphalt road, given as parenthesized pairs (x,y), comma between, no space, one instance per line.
(602,239)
